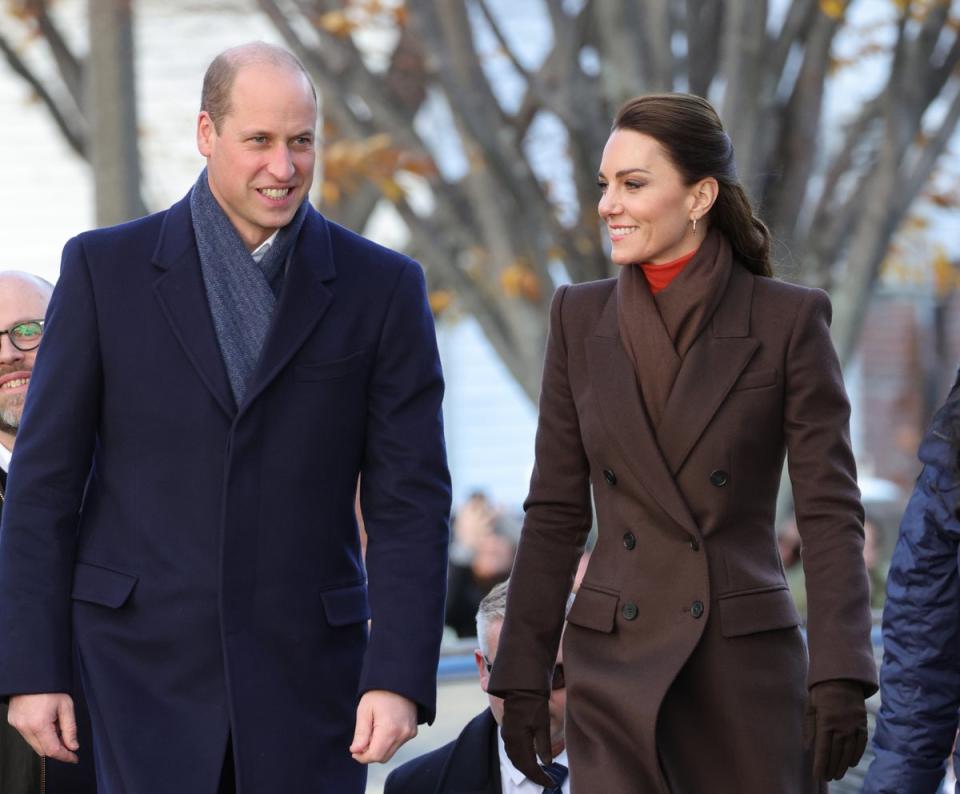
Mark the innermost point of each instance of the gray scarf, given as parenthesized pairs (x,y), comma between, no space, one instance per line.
(242,292)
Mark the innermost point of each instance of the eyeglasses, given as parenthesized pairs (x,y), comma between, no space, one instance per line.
(26,335)
(557,682)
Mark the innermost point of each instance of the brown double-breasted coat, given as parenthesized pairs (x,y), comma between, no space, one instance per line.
(686,670)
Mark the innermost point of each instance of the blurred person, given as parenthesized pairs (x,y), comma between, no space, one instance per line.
(482,549)
(213,380)
(672,394)
(920,676)
(476,760)
(23,304)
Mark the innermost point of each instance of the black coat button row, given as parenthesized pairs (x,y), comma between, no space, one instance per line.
(719,478)
(696,609)
(610,477)
(629,611)
(629,541)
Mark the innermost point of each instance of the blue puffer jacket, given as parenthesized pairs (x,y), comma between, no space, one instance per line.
(920,677)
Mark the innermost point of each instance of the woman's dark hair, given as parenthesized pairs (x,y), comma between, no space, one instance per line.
(690,132)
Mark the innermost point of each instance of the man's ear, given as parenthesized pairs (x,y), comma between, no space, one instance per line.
(481,668)
(206,131)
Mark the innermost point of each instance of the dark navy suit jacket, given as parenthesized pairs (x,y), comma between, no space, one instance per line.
(206,557)
(470,764)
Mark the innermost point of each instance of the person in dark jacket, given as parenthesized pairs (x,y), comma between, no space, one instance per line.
(23,303)
(476,761)
(212,383)
(920,676)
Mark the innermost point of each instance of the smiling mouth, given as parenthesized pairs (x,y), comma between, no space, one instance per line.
(275,194)
(15,383)
(621,231)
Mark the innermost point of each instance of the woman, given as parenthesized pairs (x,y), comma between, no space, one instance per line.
(672,392)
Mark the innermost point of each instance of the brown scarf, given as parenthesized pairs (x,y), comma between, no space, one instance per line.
(657,331)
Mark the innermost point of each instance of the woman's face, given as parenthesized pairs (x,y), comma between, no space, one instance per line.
(644,203)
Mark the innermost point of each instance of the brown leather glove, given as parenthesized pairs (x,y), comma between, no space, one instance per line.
(526,733)
(836,727)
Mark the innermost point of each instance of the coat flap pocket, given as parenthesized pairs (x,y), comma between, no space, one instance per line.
(346,605)
(330,370)
(594,609)
(756,379)
(764,610)
(100,585)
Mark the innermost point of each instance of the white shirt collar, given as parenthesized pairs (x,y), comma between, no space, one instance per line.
(5,458)
(261,249)
(513,781)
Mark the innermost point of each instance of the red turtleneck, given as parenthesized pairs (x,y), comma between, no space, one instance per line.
(660,276)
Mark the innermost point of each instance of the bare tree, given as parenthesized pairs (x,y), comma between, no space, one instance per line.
(91,98)
(491,232)
(410,87)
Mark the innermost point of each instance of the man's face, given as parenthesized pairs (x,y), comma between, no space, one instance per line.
(260,163)
(20,301)
(558,697)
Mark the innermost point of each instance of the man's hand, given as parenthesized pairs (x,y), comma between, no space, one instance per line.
(836,726)
(47,723)
(526,733)
(385,721)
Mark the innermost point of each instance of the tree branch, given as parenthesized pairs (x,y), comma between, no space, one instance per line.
(66,120)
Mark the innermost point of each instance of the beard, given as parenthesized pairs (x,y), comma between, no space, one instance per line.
(10,412)
(11,409)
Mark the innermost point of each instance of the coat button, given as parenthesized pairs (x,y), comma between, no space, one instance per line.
(610,477)
(696,609)
(719,477)
(629,541)
(629,611)
(694,544)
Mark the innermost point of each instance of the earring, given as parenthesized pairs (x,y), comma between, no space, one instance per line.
(694,225)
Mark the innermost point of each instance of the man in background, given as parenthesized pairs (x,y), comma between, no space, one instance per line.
(23,304)
(476,760)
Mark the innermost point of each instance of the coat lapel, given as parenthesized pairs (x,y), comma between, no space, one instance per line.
(183,300)
(708,372)
(474,763)
(303,301)
(621,409)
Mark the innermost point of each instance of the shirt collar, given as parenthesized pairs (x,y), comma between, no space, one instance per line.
(261,249)
(5,458)
(516,776)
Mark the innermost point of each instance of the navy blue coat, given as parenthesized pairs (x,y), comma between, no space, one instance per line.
(206,556)
(920,677)
(470,764)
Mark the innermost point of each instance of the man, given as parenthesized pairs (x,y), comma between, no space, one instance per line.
(23,303)
(476,760)
(920,678)
(214,380)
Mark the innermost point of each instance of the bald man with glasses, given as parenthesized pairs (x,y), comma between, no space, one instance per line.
(23,304)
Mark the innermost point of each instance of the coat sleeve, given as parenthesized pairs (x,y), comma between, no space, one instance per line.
(558,516)
(405,500)
(920,678)
(54,450)
(827,501)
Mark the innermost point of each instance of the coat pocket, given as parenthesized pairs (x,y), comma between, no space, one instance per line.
(756,611)
(346,605)
(330,370)
(756,379)
(594,609)
(103,586)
